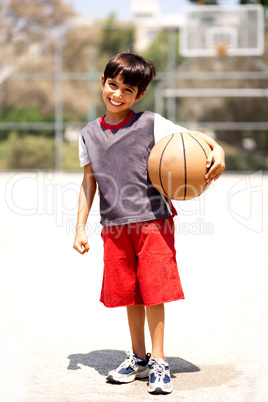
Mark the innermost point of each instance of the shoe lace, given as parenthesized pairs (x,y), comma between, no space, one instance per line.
(158,368)
(128,362)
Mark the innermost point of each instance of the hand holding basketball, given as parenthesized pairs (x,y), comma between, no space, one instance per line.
(215,164)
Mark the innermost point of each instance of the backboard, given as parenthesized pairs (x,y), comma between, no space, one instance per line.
(232,30)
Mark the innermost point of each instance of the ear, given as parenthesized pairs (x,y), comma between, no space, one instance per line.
(102,81)
(139,97)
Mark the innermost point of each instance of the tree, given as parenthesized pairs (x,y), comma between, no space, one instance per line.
(210,2)
(25,22)
(204,2)
(115,40)
(262,2)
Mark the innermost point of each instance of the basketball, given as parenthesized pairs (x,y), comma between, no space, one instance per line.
(177,166)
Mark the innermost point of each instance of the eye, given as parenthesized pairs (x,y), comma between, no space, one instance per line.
(129,90)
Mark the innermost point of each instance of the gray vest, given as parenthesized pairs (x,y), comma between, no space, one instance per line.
(119,161)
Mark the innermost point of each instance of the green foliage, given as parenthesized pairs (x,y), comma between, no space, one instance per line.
(215,2)
(30,114)
(244,162)
(204,2)
(23,114)
(158,51)
(115,40)
(32,152)
(147,102)
(263,2)
(4,155)
(158,54)
(70,157)
(240,160)
(29,152)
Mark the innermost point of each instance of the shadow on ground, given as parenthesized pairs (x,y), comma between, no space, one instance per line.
(105,360)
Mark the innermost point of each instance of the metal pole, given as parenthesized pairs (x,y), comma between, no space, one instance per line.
(171,101)
(216,92)
(58,103)
(158,99)
(92,112)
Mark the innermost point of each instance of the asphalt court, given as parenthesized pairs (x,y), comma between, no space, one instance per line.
(57,342)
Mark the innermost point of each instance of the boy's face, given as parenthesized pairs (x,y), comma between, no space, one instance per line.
(119,97)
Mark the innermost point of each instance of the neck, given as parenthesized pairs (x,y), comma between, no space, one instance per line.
(113,119)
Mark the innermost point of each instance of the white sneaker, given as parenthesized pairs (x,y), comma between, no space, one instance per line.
(159,376)
(132,367)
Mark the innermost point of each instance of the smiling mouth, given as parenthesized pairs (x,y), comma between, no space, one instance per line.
(114,103)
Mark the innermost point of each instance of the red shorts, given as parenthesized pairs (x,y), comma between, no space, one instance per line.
(140,264)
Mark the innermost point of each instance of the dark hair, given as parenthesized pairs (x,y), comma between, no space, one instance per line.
(134,70)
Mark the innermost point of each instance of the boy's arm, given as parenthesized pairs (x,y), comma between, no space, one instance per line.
(86,196)
(216,159)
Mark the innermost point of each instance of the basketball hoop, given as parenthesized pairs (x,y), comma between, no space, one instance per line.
(236,30)
(222,48)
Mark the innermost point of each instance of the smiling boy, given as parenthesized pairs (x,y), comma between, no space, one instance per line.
(140,268)
(118,98)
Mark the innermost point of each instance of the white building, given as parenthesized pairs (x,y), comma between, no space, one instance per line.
(148,21)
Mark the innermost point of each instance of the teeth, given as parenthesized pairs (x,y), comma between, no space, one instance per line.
(115,103)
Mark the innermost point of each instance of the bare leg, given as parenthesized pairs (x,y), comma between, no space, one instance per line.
(156,320)
(136,320)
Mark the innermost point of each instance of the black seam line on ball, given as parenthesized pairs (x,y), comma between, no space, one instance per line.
(185,167)
(199,144)
(205,155)
(160,164)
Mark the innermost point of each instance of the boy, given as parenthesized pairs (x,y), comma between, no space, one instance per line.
(140,269)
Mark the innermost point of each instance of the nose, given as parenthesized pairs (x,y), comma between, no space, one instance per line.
(118,93)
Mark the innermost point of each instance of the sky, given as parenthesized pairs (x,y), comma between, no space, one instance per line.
(122,8)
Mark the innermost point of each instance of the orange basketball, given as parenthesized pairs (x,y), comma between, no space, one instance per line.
(177,166)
